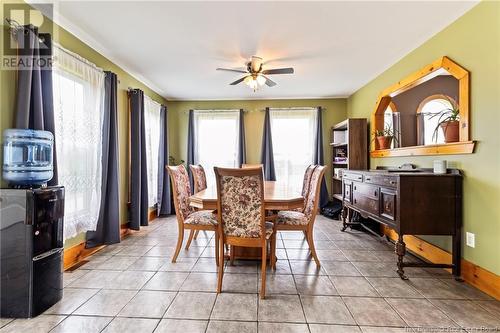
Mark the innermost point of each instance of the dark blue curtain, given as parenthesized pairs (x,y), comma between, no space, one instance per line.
(242,153)
(138,162)
(164,199)
(108,224)
(190,147)
(267,157)
(34,99)
(319,157)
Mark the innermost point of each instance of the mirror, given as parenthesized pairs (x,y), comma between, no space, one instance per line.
(426,113)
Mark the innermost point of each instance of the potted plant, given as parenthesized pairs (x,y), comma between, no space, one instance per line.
(384,137)
(448,122)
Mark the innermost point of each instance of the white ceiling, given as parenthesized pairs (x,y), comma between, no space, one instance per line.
(335,47)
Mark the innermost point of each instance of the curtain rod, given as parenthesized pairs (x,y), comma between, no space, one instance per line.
(187,111)
(296,108)
(77,57)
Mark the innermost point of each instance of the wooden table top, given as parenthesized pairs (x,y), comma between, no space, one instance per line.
(277,196)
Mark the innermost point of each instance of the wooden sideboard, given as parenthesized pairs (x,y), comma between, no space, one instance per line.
(412,203)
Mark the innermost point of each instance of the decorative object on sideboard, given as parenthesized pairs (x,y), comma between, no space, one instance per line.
(439,167)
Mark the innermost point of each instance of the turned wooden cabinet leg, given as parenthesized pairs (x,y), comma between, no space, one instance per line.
(400,249)
(344,214)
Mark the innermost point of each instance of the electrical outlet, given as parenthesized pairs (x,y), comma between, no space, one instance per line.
(470,239)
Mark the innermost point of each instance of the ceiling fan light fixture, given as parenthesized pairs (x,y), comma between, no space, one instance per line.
(261,80)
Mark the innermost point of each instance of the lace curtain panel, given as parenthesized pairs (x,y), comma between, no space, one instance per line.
(216,140)
(293,134)
(78,108)
(152,120)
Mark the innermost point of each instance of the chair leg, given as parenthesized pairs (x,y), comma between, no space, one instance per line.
(272,258)
(191,236)
(180,239)
(217,240)
(263,272)
(221,265)
(196,234)
(231,254)
(312,248)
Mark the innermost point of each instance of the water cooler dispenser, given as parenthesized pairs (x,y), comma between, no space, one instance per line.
(31,226)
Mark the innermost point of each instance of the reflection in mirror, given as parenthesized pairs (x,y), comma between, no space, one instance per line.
(392,123)
(428,117)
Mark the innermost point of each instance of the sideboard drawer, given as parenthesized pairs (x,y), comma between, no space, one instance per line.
(365,203)
(352,176)
(365,189)
(381,180)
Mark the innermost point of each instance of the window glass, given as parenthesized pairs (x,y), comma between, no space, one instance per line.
(293,135)
(216,140)
(152,126)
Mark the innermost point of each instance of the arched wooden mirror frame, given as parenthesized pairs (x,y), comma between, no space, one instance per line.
(443,65)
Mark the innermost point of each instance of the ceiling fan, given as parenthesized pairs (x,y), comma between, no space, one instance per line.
(256,75)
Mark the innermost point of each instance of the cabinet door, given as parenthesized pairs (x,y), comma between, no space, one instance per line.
(388,203)
(347,191)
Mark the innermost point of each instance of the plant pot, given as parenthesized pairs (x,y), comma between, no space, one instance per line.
(384,142)
(450,130)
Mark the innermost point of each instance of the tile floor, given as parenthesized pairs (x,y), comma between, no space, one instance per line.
(133,287)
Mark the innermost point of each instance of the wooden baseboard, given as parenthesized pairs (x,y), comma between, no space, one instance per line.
(473,274)
(77,253)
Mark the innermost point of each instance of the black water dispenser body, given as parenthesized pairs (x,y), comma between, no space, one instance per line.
(31,240)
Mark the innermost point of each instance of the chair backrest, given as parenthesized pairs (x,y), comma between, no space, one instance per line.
(312,200)
(240,202)
(307,180)
(181,190)
(251,166)
(199,178)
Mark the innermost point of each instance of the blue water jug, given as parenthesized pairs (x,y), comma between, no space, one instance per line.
(27,157)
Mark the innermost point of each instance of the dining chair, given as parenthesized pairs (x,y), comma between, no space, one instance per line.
(200,183)
(305,184)
(290,220)
(187,217)
(251,166)
(241,216)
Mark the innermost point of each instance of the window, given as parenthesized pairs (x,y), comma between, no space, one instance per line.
(293,133)
(78,101)
(428,119)
(152,125)
(216,140)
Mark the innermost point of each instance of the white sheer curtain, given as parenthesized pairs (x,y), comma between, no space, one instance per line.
(216,140)
(152,125)
(293,134)
(78,107)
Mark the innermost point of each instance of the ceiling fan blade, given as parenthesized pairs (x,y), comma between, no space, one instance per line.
(231,70)
(269,82)
(237,81)
(288,70)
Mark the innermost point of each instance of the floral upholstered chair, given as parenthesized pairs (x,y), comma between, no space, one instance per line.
(305,184)
(200,183)
(199,177)
(187,217)
(304,221)
(241,216)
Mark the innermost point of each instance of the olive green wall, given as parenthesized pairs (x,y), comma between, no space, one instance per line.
(334,112)
(70,42)
(473,41)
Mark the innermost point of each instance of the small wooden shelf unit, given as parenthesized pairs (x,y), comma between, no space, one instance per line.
(349,139)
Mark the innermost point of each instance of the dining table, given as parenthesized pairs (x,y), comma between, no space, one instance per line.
(277,196)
